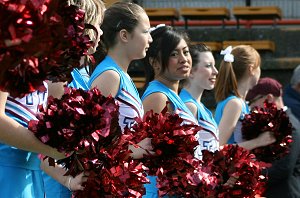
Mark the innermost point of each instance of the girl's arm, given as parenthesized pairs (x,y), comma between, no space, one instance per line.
(230,117)
(56,89)
(263,139)
(14,134)
(156,102)
(108,83)
(57,172)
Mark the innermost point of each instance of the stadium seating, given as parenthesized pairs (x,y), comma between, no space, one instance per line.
(214,13)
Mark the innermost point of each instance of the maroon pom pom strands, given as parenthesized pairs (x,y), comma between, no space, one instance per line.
(268,118)
(39,40)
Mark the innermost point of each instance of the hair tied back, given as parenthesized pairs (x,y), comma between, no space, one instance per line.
(228,57)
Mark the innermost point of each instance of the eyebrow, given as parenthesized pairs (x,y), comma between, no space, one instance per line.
(177,49)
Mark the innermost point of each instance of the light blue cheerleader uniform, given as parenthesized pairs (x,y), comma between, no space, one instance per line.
(20,173)
(236,137)
(127,97)
(179,108)
(54,189)
(208,137)
(80,78)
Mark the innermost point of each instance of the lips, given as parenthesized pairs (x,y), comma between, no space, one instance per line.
(184,68)
(212,80)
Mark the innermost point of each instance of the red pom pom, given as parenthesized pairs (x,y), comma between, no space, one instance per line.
(39,40)
(169,138)
(86,123)
(268,118)
(230,172)
(173,144)
(77,120)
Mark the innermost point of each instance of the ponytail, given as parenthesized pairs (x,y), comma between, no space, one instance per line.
(233,68)
(226,83)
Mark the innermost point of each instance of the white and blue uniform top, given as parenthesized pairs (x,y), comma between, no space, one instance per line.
(236,137)
(177,104)
(127,97)
(208,137)
(22,110)
(80,78)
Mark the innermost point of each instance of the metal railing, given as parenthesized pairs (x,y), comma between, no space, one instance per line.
(290,8)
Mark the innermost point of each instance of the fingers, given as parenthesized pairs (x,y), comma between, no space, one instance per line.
(270,137)
(77,183)
(231,181)
(146,144)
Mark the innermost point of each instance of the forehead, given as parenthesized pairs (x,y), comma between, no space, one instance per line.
(143,20)
(206,56)
(182,44)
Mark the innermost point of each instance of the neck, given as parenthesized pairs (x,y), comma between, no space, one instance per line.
(120,58)
(173,85)
(195,92)
(243,88)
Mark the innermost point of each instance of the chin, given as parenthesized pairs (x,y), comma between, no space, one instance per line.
(142,55)
(210,88)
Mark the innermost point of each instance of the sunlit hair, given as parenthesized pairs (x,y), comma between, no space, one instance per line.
(120,15)
(165,40)
(230,73)
(94,12)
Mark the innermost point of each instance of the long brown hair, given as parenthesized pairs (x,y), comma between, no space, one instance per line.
(230,73)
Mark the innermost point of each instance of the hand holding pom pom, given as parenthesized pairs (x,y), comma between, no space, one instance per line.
(230,172)
(265,123)
(86,122)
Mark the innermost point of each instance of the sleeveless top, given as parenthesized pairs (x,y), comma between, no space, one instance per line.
(22,110)
(179,108)
(208,137)
(127,97)
(236,136)
(80,79)
(177,104)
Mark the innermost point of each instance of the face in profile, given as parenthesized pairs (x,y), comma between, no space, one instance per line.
(204,73)
(140,38)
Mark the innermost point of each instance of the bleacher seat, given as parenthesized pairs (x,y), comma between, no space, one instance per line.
(214,46)
(162,14)
(250,13)
(139,82)
(213,13)
(262,45)
(108,3)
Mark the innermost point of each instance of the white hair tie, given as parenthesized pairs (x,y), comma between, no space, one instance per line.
(228,57)
(158,26)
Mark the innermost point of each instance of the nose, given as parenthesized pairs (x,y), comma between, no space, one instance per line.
(150,38)
(215,71)
(183,58)
(100,32)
